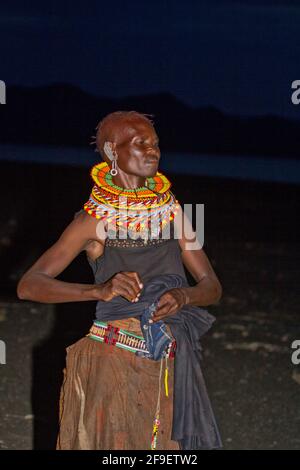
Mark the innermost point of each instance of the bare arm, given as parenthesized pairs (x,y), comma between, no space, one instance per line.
(208,289)
(39,284)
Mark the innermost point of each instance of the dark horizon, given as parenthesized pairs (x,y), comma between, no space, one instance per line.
(63,114)
(236,56)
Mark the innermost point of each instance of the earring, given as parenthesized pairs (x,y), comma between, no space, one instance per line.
(113,156)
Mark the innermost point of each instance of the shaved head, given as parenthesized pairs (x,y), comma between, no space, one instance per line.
(116,127)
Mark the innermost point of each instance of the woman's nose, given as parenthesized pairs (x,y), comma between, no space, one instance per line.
(153,151)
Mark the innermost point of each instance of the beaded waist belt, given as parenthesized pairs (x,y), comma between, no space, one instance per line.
(109,334)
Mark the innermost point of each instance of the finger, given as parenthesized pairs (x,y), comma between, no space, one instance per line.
(133,290)
(130,281)
(126,289)
(166,301)
(161,309)
(134,280)
(162,312)
(136,276)
(163,301)
(164,315)
(123,291)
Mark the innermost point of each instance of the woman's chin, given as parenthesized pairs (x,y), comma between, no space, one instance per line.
(151,171)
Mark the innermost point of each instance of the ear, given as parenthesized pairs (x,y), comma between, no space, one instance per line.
(108,150)
(107,147)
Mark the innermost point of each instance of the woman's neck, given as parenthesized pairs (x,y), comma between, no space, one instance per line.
(129,181)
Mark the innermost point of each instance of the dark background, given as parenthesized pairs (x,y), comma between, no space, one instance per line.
(217,77)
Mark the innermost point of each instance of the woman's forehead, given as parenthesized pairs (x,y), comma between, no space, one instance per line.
(131,130)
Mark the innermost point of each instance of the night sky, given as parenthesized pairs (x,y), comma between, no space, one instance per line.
(239,56)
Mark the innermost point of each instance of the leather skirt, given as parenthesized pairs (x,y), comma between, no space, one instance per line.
(108,398)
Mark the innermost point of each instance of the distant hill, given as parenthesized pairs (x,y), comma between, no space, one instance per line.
(62,114)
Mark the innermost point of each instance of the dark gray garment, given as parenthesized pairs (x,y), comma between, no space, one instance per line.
(147,261)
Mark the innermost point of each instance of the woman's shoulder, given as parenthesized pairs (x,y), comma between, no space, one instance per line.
(93,226)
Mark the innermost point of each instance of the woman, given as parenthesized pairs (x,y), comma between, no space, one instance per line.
(111,395)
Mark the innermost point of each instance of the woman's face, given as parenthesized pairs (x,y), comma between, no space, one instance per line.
(138,149)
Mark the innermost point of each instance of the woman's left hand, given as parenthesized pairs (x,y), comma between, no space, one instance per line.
(169,303)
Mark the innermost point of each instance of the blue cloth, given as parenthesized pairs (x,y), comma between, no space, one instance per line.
(155,334)
(194,425)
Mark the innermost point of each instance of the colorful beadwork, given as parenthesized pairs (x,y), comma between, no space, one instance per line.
(136,212)
(115,336)
(112,335)
(156,184)
(154,434)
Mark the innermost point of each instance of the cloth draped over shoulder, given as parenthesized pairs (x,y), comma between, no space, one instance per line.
(194,425)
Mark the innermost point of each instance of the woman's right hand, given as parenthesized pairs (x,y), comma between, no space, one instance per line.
(125,283)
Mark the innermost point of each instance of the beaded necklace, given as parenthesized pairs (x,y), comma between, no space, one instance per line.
(132,212)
